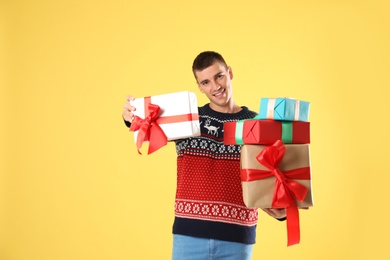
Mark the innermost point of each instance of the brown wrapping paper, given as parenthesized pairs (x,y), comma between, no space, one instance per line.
(259,193)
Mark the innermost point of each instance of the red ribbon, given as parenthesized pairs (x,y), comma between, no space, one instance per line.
(148,129)
(286,189)
(177,118)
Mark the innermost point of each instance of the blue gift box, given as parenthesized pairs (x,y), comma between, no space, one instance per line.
(288,109)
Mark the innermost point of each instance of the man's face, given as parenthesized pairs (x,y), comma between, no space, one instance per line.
(215,83)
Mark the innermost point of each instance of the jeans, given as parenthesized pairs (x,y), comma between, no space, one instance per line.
(194,248)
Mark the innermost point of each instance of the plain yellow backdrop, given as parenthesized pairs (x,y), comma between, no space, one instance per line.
(72,186)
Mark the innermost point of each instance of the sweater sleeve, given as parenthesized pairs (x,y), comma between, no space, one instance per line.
(127,123)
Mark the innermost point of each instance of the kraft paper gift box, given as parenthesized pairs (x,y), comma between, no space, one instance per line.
(254,131)
(284,109)
(166,117)
(258,182)
(278,176)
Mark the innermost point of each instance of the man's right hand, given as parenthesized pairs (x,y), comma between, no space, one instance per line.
(128,110)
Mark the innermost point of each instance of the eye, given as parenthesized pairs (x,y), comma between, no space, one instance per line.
(220,76)
(204,83)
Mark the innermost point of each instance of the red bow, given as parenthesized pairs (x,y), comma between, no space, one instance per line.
(149,130)
(286,189)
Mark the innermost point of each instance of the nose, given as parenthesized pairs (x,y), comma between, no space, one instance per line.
(215,86)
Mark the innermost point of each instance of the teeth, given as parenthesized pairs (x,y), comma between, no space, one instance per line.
(219,93)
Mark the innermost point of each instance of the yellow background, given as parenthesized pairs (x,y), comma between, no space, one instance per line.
(72,185)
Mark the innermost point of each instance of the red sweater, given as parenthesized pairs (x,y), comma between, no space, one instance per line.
(209,196)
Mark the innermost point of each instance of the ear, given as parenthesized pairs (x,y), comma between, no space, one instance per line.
(230,71)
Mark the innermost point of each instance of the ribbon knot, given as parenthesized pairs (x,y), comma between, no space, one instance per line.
(279,175)
(149,130)
(286,189)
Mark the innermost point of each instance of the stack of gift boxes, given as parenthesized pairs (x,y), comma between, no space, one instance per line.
(275,158)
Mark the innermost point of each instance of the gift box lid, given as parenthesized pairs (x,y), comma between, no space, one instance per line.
(284,109)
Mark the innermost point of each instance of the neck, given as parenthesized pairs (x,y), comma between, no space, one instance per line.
(229,109)
(234,109)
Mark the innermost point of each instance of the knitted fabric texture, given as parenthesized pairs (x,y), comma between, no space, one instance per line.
(209,199)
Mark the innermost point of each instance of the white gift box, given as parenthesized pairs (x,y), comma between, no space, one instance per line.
(179,109)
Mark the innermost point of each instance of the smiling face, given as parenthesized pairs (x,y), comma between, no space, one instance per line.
(215,82)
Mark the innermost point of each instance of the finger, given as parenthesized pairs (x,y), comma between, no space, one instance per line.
(128,116)
(129,98)
(276,210)
(127,106)
(279,211)
(268,211)
(276,213)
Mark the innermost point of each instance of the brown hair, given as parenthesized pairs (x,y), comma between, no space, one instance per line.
(206,59)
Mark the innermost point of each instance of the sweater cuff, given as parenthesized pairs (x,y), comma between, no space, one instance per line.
(128,124)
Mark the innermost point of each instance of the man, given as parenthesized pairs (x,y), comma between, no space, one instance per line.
(211,220)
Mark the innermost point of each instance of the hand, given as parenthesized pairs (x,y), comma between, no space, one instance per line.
(128,110)
(276,213)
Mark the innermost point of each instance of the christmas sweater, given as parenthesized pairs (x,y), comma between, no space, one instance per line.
(209,201)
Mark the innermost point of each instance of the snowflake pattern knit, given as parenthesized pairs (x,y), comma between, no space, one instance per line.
(209,196)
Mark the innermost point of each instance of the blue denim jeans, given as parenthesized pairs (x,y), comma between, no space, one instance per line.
(194,248)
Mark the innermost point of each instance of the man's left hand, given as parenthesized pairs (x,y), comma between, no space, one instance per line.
(276,213)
